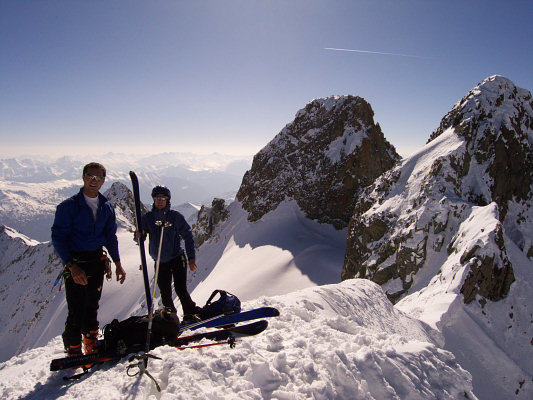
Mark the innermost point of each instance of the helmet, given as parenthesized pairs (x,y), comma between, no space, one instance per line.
(161,190)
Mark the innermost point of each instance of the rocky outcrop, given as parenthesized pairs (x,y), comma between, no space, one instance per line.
(208,219)
(322,159)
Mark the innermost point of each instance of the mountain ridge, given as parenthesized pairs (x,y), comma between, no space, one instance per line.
(452,222)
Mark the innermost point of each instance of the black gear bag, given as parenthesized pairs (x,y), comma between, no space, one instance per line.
(132,331)
(226,304)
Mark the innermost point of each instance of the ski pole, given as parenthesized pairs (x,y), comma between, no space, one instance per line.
(163,225)
(142,364)
(231,341)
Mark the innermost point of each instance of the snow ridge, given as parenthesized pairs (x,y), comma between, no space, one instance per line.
(337,341)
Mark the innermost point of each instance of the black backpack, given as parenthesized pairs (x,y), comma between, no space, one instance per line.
(226,304)
(131,333)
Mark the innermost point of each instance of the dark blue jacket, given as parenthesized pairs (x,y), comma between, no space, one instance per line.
(179,228)
(74,228)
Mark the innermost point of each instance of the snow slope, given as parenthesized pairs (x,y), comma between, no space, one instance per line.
(294,254)
(283,251)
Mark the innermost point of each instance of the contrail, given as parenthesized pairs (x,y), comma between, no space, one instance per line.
(374,52)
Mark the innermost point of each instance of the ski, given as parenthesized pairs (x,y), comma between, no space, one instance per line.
(240,331)
(138,221)
(223,320)
(251,329)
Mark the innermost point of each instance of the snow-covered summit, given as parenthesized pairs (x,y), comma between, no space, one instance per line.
(10,234)
(495,104)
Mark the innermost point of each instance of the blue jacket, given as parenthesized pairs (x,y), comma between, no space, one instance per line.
(74,228)
(179,228)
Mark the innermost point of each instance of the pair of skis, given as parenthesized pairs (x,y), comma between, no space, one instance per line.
(219,336)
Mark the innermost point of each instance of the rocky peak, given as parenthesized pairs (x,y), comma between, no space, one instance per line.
(122,199)
(322,160)
(496,121)
(448,233)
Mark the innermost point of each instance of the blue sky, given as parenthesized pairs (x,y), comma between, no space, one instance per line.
(80,77)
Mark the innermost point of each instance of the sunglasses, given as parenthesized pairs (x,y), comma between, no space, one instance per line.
(160,198)
(97,178)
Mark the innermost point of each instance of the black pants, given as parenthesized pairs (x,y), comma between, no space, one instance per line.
(82,302)
(177,269)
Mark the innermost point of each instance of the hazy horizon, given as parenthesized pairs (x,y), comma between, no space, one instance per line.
(150,77)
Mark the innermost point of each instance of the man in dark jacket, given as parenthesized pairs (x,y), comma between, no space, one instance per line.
(83,225)
(172,263)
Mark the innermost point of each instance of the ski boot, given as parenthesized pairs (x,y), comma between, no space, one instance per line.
(89,344)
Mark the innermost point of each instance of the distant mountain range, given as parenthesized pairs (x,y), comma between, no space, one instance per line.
(30,189)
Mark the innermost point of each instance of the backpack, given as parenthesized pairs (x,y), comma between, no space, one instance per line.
(226,304)
(131,332)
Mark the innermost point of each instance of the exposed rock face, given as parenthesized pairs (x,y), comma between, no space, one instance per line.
(122,199)
(208,219)
(322,160)
(479,159)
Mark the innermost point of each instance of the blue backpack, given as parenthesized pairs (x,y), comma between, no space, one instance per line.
(226,304)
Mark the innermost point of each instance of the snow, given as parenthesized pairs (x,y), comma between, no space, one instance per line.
(284,248)
(350,140)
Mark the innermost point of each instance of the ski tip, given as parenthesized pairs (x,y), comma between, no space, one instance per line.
(55,366)
(272,311)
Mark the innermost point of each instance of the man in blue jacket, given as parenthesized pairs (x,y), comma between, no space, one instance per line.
(172,263)
(83,225)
